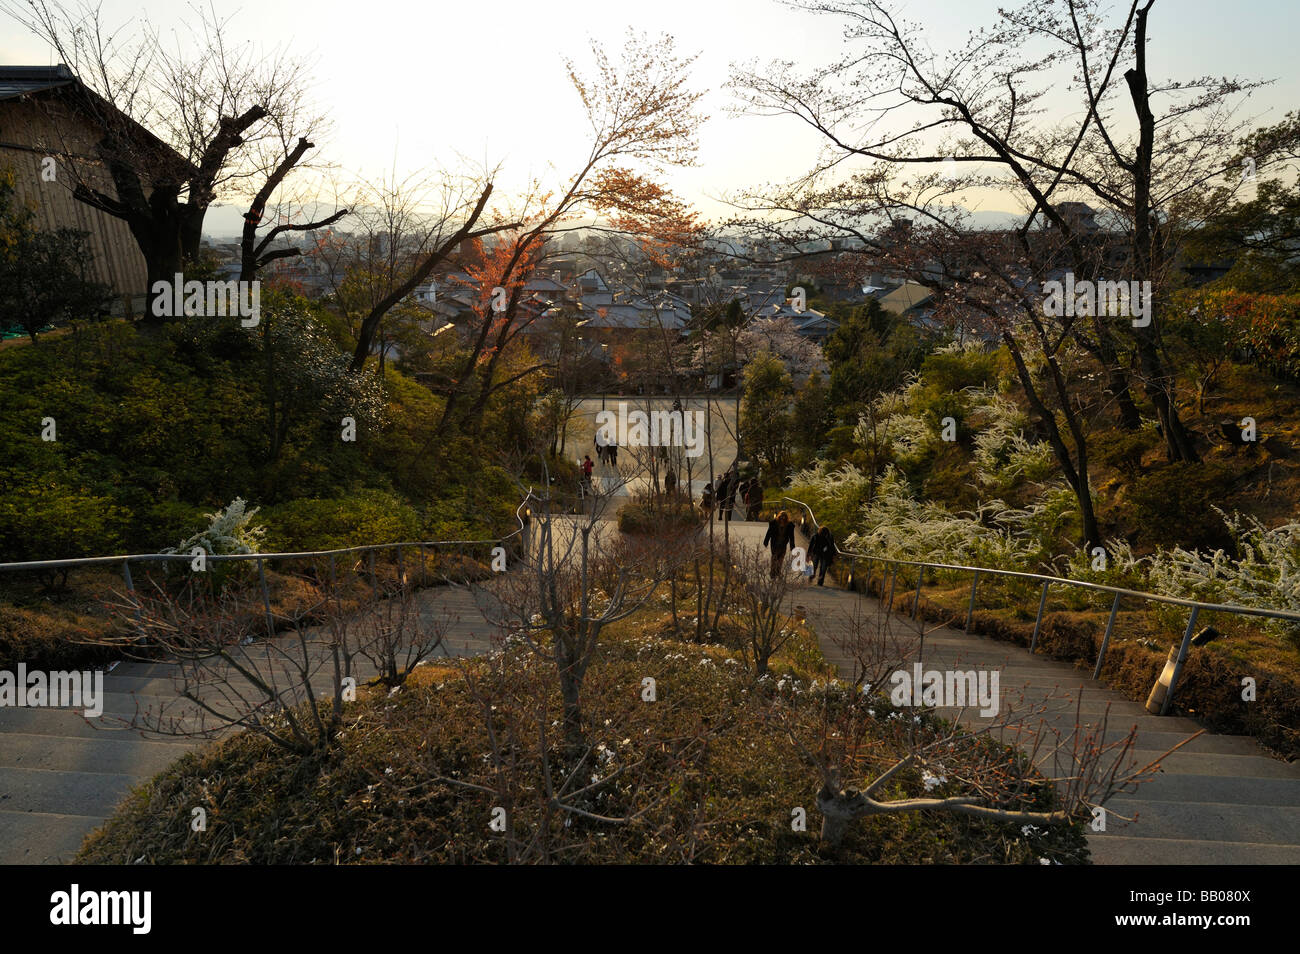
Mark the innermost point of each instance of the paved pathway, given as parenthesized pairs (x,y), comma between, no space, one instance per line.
(61,775)
(1219,800)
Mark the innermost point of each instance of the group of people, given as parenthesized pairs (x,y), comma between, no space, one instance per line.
(606,450)
(780,538)
(729,489)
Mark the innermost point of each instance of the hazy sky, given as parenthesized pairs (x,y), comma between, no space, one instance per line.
(410,82)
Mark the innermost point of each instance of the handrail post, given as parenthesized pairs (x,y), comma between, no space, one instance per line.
(1105,640)
(401,569)
(970,610)
(130,591)
(916,600)
(1038,622)
(266,596)
(1182,658)
(889,604)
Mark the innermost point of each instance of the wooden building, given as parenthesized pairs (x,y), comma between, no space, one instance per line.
(47,114)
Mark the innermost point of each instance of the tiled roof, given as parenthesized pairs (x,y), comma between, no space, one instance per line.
(21,80)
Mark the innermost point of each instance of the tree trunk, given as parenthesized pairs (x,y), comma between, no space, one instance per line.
(1117,380)
(1157,383)
(570,692)
(1159,388)
(162,255)
(1076,473)
(839,810)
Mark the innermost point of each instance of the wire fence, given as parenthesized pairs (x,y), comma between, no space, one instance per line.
(888,564)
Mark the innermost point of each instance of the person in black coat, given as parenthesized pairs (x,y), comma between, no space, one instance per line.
(821,549)
(724,488)
(729,499)
(779,538)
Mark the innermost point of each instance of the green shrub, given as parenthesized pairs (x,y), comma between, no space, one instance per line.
(53,521)
(658,516)
(165,522)
(367,516)
(1173,504)
(1123,450)
(951,370)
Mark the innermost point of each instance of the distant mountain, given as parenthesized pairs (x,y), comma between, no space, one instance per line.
(223,223)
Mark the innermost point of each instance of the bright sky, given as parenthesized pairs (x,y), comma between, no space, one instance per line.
(407,82)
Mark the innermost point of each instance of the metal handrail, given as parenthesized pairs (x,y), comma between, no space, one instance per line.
(216,557)
(125,560)
(162,557)
(1119,592)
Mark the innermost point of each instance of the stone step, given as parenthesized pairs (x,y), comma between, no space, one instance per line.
(1184,762)
(63,793)
(1283,792)
(124,755)
(43,838)
(1156,741)
(1115,849)
(1203,821)
(1064,718)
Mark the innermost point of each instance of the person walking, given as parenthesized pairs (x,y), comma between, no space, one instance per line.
(611,453)
(724,487)
(753,498)
(587,466)
(822,551)
(706,500)
(670,482)
(779,538)
(600,444)
(733,491)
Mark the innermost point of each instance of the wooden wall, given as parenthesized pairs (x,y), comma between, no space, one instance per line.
(32,128)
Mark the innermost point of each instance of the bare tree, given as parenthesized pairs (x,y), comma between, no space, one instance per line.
(762,609)
(552,602)
(1048,766)
(181,129)
(641,113)
(891,105)
(256,252)
(550,799)
(288,685)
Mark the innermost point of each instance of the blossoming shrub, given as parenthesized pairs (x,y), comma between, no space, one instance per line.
(1265,572)
(230,531)
(835,494)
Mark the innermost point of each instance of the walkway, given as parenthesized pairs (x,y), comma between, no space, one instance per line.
(62,775)
(1219,800)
